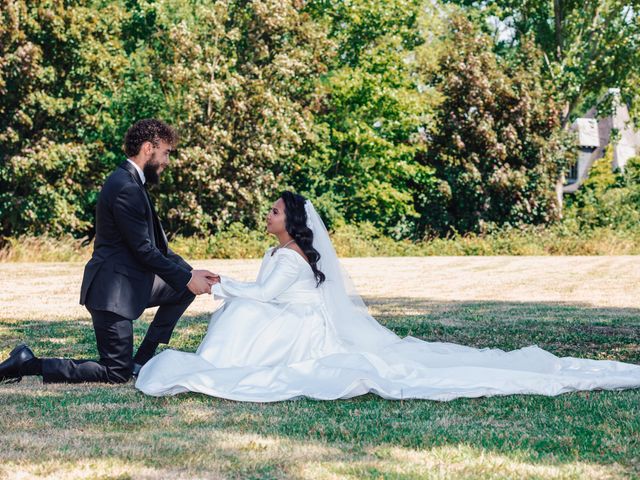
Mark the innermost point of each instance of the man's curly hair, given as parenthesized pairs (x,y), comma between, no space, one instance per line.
(148,130)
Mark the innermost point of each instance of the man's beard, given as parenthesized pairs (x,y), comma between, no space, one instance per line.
(150,170)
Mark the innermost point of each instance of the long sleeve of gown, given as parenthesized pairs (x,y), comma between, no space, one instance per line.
(283,275)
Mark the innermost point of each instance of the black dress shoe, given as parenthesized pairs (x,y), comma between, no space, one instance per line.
(11,368)
(136,370)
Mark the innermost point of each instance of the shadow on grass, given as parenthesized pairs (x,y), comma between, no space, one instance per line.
(594,428)
(564,329)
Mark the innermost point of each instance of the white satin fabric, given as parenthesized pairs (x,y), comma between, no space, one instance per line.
(272,340)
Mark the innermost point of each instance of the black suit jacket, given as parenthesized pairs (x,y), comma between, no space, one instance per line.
(130,247)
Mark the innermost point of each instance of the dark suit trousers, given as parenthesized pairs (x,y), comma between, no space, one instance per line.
(114,338)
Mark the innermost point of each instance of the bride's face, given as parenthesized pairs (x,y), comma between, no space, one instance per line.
(276,218)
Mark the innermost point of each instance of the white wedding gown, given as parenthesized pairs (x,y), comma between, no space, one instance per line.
(275,339)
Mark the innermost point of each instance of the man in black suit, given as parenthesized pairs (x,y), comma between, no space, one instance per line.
(132,268)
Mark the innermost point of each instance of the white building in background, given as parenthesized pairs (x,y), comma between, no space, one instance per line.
(594,136)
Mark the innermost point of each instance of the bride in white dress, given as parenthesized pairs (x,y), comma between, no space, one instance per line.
(301,330)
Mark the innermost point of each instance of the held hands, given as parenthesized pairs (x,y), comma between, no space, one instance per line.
(201,281)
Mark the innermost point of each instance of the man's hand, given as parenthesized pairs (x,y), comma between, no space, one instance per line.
(201,281)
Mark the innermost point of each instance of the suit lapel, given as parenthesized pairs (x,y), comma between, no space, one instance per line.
(161,238)
(132,170)
(158,238)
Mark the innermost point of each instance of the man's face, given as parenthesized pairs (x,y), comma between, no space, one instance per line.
(158,161)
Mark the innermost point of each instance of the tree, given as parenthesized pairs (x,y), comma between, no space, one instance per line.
(497,145)
(238,80)
(589,46)
(59,62)
(368,117)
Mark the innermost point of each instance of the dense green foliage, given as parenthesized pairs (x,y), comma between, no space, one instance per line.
(364,166)
(588,46)
(57,80)
(608,199)
(236,78)
(497,148)
(405,115)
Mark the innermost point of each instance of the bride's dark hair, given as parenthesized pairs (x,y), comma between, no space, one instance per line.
(296,225)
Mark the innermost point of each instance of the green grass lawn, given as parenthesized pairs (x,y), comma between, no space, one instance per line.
(101,431)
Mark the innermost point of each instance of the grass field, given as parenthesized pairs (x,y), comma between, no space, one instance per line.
(580,306)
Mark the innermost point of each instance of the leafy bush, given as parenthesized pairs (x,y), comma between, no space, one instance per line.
(606,198)
(361,166)
(398,119)
(363,240)
(236,78)
(498,148)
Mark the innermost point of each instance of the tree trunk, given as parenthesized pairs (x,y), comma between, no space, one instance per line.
(557,16)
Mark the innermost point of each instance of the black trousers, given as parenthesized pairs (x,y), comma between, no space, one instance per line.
(114,338)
